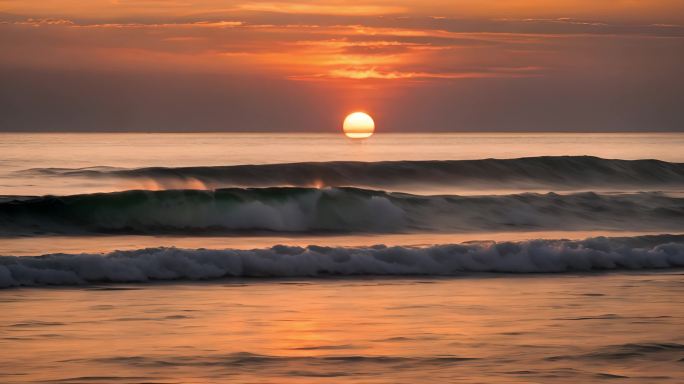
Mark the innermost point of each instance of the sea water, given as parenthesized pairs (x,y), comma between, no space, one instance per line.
(299,258)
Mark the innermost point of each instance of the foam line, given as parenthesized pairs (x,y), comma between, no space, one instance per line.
(157,264)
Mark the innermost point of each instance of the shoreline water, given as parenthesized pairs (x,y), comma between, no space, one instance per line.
(548,328)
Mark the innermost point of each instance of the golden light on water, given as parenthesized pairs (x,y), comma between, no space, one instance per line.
(358,125)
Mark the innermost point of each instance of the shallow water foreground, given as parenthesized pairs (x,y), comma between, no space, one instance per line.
(618,327)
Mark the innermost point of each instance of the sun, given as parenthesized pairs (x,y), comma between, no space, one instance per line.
(358,125)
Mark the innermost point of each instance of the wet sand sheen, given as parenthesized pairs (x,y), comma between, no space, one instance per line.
(560,329)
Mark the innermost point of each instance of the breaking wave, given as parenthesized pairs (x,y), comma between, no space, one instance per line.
(548,172)
(311,210)
(535,256)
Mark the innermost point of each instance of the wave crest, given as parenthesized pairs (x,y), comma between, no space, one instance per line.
(546,172)
(310,210)
(535,256)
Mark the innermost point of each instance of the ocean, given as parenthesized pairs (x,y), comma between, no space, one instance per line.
(271,258)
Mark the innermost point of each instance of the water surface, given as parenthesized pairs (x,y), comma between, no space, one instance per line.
(206,257)
(623,327)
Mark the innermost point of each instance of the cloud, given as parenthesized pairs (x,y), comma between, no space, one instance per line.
(318,47)
(375,73)
(70,23)
(40,22)
(322,9)
(364,54)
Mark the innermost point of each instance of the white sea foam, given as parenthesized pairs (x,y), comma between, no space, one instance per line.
(536,256)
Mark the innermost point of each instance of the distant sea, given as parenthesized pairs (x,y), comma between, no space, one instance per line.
(236,257)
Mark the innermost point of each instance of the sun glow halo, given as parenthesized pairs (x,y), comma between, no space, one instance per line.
(358,125)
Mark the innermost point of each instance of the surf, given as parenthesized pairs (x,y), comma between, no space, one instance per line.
(163,264)
(529,173)
(332,210)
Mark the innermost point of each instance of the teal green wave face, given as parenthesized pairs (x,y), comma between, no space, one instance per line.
(333,210)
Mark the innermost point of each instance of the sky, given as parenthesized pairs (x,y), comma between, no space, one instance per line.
(415,66)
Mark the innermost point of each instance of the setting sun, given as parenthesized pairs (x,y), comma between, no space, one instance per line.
(174,185)
(358,125)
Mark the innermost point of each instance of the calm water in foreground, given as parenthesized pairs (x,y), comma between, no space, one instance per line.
(623,327)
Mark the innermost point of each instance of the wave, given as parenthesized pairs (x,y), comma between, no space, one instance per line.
(628,351)
(311,210)
(535,256)
(548,172)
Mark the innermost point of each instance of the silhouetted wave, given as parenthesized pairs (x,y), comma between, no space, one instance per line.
(535,256)
(312,210)
(562,172)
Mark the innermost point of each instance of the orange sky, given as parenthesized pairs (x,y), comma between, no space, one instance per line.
(453,65)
